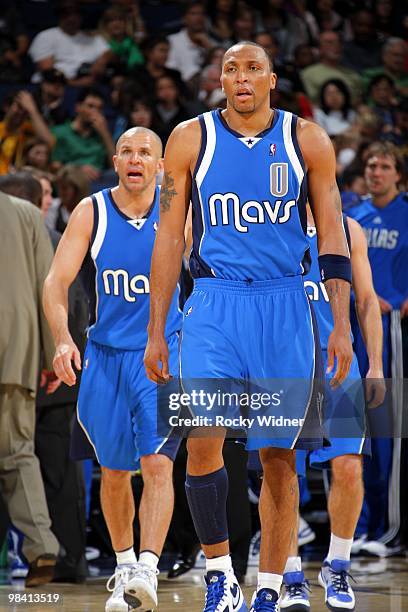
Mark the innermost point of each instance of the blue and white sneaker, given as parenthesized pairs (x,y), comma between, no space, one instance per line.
(296,597)
(254,548)
(265,600)
(223,593)
(334,578)
(305,533)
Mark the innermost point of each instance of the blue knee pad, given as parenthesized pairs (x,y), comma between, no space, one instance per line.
(207,499)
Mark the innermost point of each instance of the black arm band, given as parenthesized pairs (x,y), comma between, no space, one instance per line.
(335,266)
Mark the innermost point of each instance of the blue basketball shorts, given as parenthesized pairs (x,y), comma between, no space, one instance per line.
(117,406)
(343,420)
(255,340)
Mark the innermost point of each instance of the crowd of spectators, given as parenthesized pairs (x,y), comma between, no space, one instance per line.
(71,87)
(75,74)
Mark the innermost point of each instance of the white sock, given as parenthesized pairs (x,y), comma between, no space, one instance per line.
(293,564)
(339,549)
(126,557)
(149,558)
(269,581)
(219,564)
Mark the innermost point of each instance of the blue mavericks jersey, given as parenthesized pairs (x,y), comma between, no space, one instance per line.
(386,230)
(249,197)
(118,289)
(316,290)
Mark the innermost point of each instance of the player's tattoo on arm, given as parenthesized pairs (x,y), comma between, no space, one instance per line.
(167,192)
(332,288)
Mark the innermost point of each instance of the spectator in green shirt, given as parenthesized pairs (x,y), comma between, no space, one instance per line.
(114,27)
(85,141)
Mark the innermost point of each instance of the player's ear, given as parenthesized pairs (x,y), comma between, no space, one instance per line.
(160,165)
(273,80)
(114,158)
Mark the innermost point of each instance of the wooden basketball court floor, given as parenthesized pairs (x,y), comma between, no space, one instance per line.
(381,586)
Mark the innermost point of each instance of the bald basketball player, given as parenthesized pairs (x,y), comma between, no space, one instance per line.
(114,231)
(248,171)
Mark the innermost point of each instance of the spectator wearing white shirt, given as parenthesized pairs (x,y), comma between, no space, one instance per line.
(189,46)
(69,49)
(335,114)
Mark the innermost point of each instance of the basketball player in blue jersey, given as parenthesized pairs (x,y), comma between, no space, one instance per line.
(248,317)
(117,404)
(344,416)
(384,219)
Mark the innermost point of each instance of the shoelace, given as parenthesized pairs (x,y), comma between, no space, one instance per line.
(298,589)
(261,604)
(340,581)
(120,577)
(215,592)
(147,572)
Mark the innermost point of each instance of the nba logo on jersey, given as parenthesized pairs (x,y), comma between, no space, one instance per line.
(272,149)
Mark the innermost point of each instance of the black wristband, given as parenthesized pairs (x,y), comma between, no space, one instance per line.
(334,266)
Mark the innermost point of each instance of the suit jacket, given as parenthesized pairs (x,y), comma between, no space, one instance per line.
(25,258)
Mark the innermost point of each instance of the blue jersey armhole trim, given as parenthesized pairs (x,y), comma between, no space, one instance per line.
(296,142)
(347,231)
(203,144)
(95,219)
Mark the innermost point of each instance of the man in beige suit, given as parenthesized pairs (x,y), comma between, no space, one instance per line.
(25,258)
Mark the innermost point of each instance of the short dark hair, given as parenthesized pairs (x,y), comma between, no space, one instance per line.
(89,91)
(152,41)
(251,43)
(189,5)
(378,78)
(22,185)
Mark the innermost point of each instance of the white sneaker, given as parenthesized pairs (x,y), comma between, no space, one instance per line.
(357,544)
(305,533)
(141,590)
(122,575)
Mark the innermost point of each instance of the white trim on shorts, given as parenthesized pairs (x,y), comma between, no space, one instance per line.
(86,433)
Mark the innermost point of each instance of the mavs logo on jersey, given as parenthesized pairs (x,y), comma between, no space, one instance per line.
(117,282)
(386,230)
(117,277)
(249,218)
(381,238)
(261,211)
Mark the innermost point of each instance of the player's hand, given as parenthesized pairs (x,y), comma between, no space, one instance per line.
(201,39)
(98,121)
(375,387)
(339,348)
(65,353)
(26,101)
(384,305)
(156,360)
(50,381)
(404,309)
